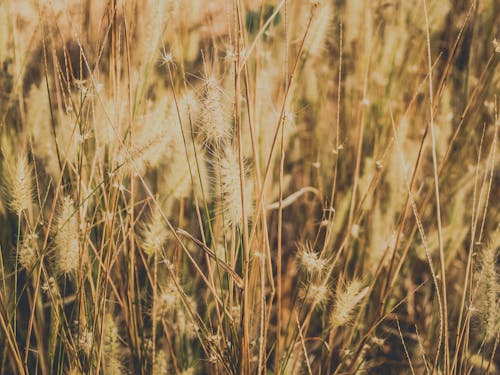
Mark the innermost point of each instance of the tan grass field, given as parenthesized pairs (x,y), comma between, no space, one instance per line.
(249,187)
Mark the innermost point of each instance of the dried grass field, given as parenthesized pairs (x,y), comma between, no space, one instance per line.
(272,187)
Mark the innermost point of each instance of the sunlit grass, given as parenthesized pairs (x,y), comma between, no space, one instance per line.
(249,187)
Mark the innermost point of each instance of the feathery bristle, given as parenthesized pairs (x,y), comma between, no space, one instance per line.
(28,251)
(318,293)
(319,29)
(346,302)
(111,348)
(19,184)
(489,277)
(154,233)
(310,260)
(167,301)
(160,367)
(231,190)
(215,124)
(66,241)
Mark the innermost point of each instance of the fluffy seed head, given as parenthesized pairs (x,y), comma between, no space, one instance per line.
(346,302)
(215,124)
(67,252)
(27,251)
(184,323)
(19,184)
(318,294)
(154,233)
(320,28)
(310,260)
(85,341)
(167,301)
(482,363)
(160,367)
(231,190)
(152,138)
(112,364)
(489,278)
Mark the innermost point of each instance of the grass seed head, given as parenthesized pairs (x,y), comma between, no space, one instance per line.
(160,367)
(66,240)
(167,301)
(230,185)
(310,260)
(317,293)
(215,125)
(19,183)
(489,278)
(112,347)
(154,233)
(346,302)
(28,251)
